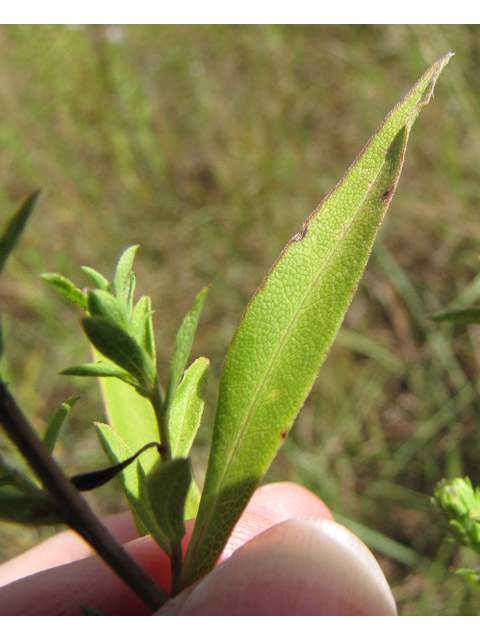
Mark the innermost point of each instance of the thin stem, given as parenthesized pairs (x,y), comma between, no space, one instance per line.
(72,506)
(176,565)
(176,556)
(162,420)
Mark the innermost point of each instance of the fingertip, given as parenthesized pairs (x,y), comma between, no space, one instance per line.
(281,501)
(304,566)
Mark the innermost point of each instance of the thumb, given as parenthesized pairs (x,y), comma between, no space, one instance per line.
(304,566)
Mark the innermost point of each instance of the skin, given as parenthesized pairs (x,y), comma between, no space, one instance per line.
(286,556)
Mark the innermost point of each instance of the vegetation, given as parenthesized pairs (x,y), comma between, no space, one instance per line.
(206,146)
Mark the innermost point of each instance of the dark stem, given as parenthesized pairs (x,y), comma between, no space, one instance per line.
(72,506)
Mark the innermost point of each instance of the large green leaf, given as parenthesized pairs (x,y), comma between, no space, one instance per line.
(290,325)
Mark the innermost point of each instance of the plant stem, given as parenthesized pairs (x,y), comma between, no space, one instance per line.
(156,399)
(176,565)
(72,506)
(176,555)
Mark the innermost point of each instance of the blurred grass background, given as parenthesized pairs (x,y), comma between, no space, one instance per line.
(209,146)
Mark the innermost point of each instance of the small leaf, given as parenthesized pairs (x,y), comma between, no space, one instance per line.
(470,315)
(105,304)
(9,476)
(94,479)
(15,226)
(289,326)
(132,480)
(103,370)
(56,421)
(183,345)
(28,509)
(167,487)
(187,408)
(66,287)
(117,345)
(97,278)
(142,326)
(122,281)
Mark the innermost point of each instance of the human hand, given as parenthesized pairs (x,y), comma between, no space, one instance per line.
(290,559)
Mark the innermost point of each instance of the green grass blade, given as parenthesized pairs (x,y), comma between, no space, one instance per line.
(15,226)
(290,325)
(471,315)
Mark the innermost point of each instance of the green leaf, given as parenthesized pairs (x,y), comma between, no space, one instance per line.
(15,226)
(28,509)
(187,408)
(117,345)
(105,304)
(94,479)
(102,370)
(290,325)
(132,479)
(132,420)
(123,283)
(66,287)
(470,315)
(14,478)
(56,421)
(131,416)
(183,345)
(142,325)
(167,487)
(97,278)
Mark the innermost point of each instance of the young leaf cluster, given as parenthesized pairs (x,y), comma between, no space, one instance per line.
(121,334)
(459,503)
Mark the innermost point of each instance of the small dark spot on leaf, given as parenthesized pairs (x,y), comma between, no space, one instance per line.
(284,434)
(388,194)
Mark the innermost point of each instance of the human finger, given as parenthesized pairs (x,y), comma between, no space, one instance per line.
(304,566)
